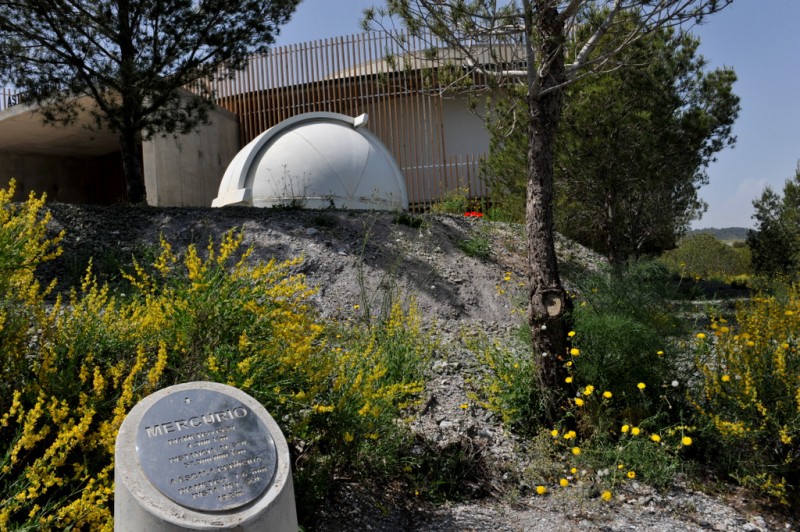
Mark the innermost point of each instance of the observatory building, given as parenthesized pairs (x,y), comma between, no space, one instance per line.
(315,160)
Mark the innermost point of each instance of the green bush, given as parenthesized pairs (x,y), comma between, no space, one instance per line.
(702,255)
(625,343)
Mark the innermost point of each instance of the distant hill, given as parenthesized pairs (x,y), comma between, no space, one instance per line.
(724,233)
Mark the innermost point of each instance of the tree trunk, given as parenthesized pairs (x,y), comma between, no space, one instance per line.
(132,167)
(549,303)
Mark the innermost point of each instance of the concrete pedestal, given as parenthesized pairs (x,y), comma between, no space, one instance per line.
(190,471)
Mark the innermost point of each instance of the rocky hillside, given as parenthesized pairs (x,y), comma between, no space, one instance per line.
(466,274)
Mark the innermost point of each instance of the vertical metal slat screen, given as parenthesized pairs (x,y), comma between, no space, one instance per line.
(351,75)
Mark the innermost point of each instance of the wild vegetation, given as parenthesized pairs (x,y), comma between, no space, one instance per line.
(538,49)
(650,391)
(73,369)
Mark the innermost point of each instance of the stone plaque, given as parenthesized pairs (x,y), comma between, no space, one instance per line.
(205,450)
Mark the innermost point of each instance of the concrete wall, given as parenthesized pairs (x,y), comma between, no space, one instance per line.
(464,130)
(96,180)
(186,170)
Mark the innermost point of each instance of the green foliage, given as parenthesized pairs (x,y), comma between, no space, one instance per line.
(775,242)
(476,244)
(632,146)
(409,220)
(748,397)
(653,455)
(455,201)
(625,335)
(702,255)
(508,386)
(132,59)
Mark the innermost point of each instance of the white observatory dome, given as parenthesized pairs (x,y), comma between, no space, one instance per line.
(315,160)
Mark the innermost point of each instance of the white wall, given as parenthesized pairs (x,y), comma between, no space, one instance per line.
(186,170)
(464,130)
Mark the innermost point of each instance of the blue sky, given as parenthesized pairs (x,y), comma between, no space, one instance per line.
(758,38)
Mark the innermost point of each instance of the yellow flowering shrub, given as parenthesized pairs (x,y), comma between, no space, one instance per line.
(24,245)
(75,367)
(750,392)
(508,386)
(68,379)
(374,373)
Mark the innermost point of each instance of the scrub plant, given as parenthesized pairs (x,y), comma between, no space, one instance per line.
(626,380)
(749,392)
(508,385)
(477,244)
(454,201)
(76,367)
(704,256)
(626,333)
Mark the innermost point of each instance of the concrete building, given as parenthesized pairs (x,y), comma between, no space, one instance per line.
(434,137)
(74,164)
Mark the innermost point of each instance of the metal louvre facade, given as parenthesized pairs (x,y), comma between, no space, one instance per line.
(366,73)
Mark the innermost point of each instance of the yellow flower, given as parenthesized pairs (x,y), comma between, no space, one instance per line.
(625,428)
(641,386)
(606,495)
(588,390)
(574,351)
(578,401)
(607,394)
(635,431)
(788,313)
(631,474)
(701,336)
(571,334)
(750,343)
(726,378)
(573,470)
(463,406)
(541,490)
(568,380)
(656,438)
(569,435)
(348,437)
(576,451)
(563,482)
(686,440)
(554,433)
(660,353)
